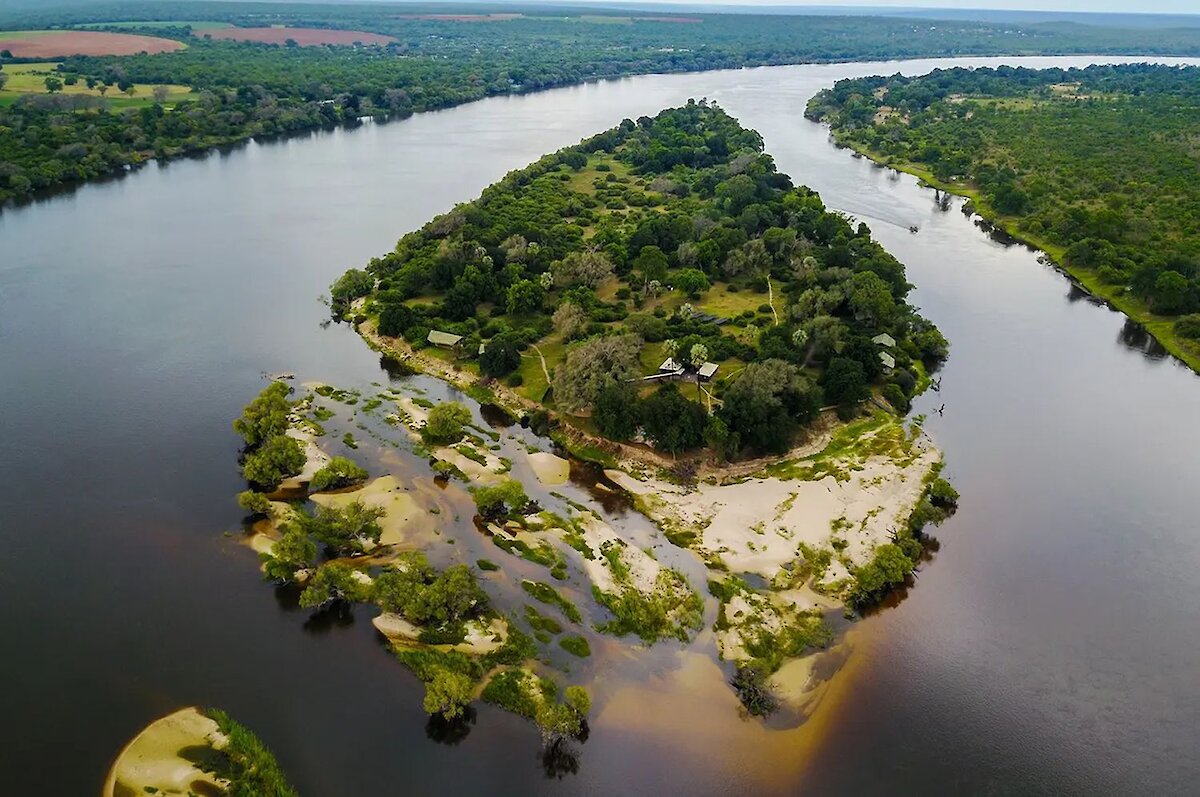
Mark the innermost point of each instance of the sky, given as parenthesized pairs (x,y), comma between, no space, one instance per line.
(1093,6)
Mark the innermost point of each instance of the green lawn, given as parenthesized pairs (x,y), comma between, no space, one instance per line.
(31,79)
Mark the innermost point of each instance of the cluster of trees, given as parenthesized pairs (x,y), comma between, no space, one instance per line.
(270,455)
(248,89)
(1097,164)
(540,257)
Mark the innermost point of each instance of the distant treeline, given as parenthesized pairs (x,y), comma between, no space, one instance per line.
(257,89)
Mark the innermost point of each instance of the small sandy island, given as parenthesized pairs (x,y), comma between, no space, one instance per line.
(162,758)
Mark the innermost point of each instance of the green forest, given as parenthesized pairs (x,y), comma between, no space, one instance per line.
(1097,166)
(601,280)
(246,89)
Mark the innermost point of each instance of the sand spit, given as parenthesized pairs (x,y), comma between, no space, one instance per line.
(549,469)
(405,522)
(153,762)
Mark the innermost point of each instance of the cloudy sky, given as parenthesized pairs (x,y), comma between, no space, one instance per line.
(1127,6)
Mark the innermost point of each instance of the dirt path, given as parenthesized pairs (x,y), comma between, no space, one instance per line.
(545,370)
(771,299)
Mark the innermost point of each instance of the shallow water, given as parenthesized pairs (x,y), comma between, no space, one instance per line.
(1051,645)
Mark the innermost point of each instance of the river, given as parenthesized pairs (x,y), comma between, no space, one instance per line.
(1051,646)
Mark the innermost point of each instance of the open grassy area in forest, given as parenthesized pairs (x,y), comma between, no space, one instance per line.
(31,79)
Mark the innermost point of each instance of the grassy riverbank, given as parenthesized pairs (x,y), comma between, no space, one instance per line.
(1092,166)
(1116,296)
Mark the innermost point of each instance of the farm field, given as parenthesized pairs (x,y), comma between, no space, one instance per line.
(31,79)
(305,37)
(54,43)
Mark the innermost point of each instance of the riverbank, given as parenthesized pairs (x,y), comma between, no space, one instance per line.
(1116,297)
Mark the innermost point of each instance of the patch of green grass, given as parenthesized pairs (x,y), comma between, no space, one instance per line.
(576,646)
(540,622)
(550,596)
(486,565)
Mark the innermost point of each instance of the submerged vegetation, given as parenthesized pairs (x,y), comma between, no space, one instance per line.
(1095,166)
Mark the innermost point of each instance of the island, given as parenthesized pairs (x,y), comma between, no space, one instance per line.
(196,752)
(1093,166)
(657,307)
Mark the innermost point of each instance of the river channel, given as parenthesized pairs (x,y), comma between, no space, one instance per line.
(1051,646)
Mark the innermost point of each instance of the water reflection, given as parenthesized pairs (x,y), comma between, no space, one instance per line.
(1134,336)
(450,732)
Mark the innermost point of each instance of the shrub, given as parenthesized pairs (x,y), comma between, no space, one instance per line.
(445,423)
(339,472)
(1188,327)
(576,646)
(895,396)
(275,460)
(254,503)
(501,499)
(266,416)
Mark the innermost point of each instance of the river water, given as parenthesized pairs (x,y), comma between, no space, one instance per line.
(1051,646)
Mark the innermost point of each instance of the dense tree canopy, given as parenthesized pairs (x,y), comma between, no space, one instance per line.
(1097,165)
(620,257)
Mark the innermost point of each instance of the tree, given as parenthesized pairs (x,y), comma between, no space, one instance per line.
(501,355)
(337,473)
(844,382)
(254,503)
(593,364)
(160,94)
(767,404)
(448,693)
(871,299)
(276,459)
(395,319)
(575,159)
(617,411)
(525,296)
(292,553)
(352,285)
(570,320)
(652,264)
(266,416)
(130,90)
(697,355)
(691,281)
(53,84)
(500,500)
(1172,294)
(333,582)
(102,88)
(582,268)
(445,423)
(672,422)
(3,80)
(345,530)
(895,396)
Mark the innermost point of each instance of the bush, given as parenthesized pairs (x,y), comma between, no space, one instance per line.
(895,396)
(486,565)
(445,423)
(339,472)
(500,356)
(750,683)
(266,416)
(254,503)
(672,422)
(352,285)
(500,500)
(276,459)
(576,646)
(1188,327)
(246,763)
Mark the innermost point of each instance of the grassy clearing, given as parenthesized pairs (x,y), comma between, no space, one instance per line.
(880,435)
(31,79)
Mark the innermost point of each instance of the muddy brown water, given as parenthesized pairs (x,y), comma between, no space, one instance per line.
(1051,646)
